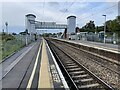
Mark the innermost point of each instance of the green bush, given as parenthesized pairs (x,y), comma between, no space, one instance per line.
(7,37)
(10,44)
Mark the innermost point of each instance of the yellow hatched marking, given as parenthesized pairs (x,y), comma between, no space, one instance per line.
(44,78)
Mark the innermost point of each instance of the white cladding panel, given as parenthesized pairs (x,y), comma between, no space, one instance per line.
(29,26)
(71,24)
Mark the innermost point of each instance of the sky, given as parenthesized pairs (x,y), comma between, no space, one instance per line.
(56,11)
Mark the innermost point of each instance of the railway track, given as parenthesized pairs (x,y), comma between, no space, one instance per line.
(103,68)
(80,76)
(105,62)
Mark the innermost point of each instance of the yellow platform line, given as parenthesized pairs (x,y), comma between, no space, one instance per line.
(44,74)
(34,69)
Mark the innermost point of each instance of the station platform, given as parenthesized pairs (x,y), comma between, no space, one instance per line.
(101,46)
(32,68)
(50,75)
(105,46)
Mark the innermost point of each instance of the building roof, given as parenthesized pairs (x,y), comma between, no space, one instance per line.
(30,15)
(71,16)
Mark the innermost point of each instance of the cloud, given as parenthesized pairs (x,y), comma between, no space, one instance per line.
(59,0)
(0,15)
(14,12)
(64,10)
(119,8)
(53,4)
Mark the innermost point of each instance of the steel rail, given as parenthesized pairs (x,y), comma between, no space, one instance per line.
(101,82)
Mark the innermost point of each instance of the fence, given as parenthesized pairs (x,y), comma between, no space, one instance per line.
(11,46)
(110,38)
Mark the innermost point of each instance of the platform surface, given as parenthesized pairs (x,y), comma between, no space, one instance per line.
(50,75)
(103,46)
(34,67)
(44,76)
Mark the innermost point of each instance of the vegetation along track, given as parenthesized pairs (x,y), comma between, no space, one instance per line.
(81,77)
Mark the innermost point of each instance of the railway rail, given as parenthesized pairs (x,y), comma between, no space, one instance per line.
(80,76)
(108,63)
(104,68)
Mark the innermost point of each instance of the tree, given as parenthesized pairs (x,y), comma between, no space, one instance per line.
(77,30)
(7,37)
(59,33)
(14,33)
(99,28)
(47,34)
(24,33)
(90,26)
(118,18)
(114,25)
(108,26)
(111,26)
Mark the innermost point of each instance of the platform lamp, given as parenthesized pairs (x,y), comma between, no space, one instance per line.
(104,27)
(6,24)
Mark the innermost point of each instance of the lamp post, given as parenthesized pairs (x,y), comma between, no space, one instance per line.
(104,27)
(6,24)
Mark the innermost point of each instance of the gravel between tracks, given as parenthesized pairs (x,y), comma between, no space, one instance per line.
(107,75)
